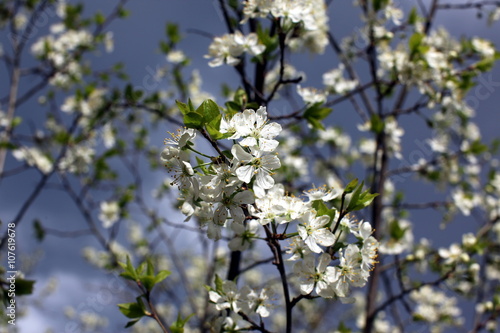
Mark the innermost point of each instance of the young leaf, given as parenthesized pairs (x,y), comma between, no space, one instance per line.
(376,124)
(130,273)
(415,42)
(24,287)
(184,108)
(132,323)
(364,200)
(39,230)
(218,283)
(322,209)
(178,325)
(379,4)
(315,113)
(209,110)
(413,17)
(162,275)
(355,197)
(132,310)
(193,120)
(148,281)
(351,186)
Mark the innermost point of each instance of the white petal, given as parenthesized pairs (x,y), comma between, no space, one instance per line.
(302,232)
(320,221)
(324,237)
(240,154)
(342,288)
(214,297)
(324,290)
(220,215)
(306,288)
(324,260)
(312,245)
(261,116)
(245,173)
(248,142)
(271,162)
(214,231)
(308,264)
(263,311)
(332,274)
(264,180)
(250,118)
(365,230)
(237,214)
(270,130)
(267,144)
(259,191)
(245,197)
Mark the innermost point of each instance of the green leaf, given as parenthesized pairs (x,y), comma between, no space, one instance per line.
(376,124)
(172,32)
(193,120)
(485,65)
(214,133)
(337,246)
(379,4)
(165,47)
(322,209)
(364,200)
(140,270)
(232,108)
(270,42)
(351,186)
(218,283)
(162,275)
(477,147)
(132,323)
(24,287)
(16,121)
(150,268)
(148,281)
(414,42)
(39,231)
(184,108)
(213,129)
(7,145)
(132,310)
(315,113)
(123,13)
(99,18)
(130,272)
(240,97)
(395,230)
(129,92)
(200,163)
(209,110)
(355,196)
(178,325)
(413,16)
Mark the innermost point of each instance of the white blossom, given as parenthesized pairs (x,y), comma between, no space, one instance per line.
(313,230)
(109,214)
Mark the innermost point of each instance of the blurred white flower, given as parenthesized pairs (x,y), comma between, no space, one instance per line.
(110,213)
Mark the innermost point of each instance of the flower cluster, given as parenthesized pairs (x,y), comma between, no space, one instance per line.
(230,47)
(59,49)
(237,193)
(353,268)
(227,296)
(309,15)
